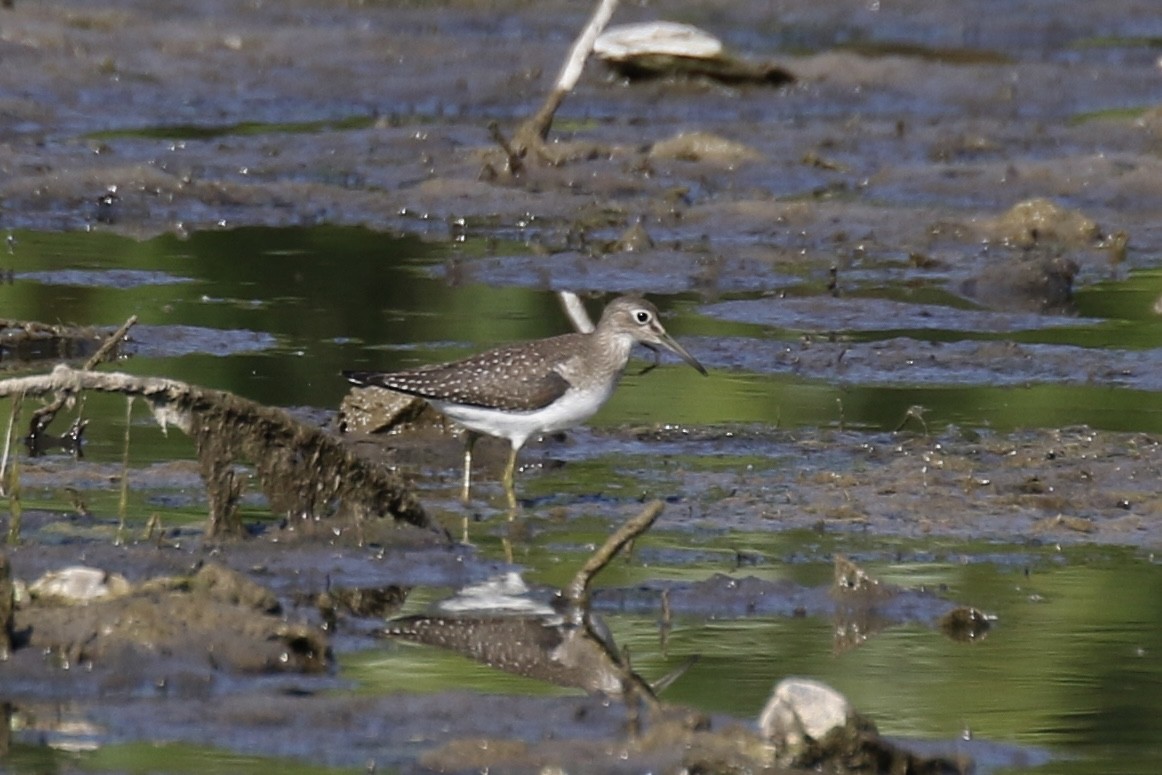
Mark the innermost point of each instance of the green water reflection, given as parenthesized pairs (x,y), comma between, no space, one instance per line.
(140,758)
(1072,664)
(338,297)
(332,298)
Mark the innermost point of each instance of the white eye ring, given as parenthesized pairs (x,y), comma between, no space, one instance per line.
(642,317)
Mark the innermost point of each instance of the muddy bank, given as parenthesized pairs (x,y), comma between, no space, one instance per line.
(947,172)
(370,115)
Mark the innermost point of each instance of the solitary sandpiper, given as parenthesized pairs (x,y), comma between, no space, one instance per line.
(545,385)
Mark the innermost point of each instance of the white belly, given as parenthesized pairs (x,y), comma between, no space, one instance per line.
(571,409)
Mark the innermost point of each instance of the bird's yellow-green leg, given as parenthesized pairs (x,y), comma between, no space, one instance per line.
(470,438)
(508,481)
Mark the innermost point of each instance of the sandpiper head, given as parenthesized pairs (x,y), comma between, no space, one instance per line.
(638,318)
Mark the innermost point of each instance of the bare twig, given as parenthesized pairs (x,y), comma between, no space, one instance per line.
(15,507)
(123,502)
(531,135)
(635,690)
(44,416)
(578,590)
(68,379)
(17,400)
(515,158)
(110,344)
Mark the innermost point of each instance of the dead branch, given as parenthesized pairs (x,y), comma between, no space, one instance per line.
(304,472)
(43,417)
(17,402)
(531,135)
(32,340)
(577,592)
(110,344)
(635,690)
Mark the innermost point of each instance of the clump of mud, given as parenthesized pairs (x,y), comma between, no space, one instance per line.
(215,619)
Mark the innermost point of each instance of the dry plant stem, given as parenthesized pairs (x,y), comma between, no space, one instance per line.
(152,528)
(15,509)
(123,503)
(7,606)
(578,590)
(17,400)
(44,416)
(110,344)
(12,482)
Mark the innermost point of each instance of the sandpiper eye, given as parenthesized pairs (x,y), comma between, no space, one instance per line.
(642,316)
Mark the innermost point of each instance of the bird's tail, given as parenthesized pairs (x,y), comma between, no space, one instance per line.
(361,378)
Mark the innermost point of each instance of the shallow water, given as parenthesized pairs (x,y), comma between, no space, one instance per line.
(932,433)
(276,314)
(1067,672)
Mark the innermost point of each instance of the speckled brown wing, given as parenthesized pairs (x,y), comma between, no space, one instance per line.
(514,378)
(524,646)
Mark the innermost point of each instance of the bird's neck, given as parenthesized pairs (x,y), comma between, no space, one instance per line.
(611,349)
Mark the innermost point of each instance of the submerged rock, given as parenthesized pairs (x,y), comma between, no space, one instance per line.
(704,147)
(1028,284)
(376,410)
(1040,220)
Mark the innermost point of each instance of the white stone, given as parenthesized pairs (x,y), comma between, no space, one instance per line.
(801,708)
(79,584)
(666,38)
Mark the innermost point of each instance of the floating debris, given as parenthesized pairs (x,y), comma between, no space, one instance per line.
(24,341)
(662,49)
(966,624)
(626,41)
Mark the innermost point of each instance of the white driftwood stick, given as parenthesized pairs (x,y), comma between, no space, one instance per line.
(73,380)
(576,312)
(571,71)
